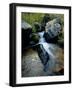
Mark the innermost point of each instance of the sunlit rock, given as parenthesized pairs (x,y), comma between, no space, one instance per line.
(52,30)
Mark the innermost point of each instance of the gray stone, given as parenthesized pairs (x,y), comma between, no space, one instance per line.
(25,25)
(52,29)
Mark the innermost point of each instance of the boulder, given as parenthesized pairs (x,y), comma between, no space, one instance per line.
(39,27)
(34,37)
(50,40)
(26,31)
(52,30)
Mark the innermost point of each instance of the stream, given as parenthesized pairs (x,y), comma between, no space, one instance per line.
(54,62)
(48,62)
(46,45)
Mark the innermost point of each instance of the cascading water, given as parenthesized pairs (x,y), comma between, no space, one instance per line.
(46,45)
(49,63)
(42,39)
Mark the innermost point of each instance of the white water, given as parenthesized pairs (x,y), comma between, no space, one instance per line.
(46,45)
(48,48)
(42,39)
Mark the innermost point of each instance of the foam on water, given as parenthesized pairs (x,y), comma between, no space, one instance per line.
(46,45)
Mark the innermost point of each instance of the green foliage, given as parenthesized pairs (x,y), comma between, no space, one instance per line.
(32,17)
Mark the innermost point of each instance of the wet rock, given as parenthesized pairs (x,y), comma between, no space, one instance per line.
(50,40)
(34,38)
(42,54)
(39,27)
(52,30)
(26,31)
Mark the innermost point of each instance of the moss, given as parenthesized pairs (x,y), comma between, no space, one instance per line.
(35,38)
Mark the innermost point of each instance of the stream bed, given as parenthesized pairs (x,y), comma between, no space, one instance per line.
(46,59)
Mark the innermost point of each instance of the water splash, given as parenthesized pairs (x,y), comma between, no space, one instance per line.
(50,64)
(46,45)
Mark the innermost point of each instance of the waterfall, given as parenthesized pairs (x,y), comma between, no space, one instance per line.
(42,39)
(43,42)
(47,50)
(48,55)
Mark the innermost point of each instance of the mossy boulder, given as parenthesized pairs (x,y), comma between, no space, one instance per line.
(35,37)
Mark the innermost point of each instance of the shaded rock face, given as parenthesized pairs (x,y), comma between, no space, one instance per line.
(25,38)
(39,27)
(50,40)
(34,38)
(46,18)
(52,30)
(26,31)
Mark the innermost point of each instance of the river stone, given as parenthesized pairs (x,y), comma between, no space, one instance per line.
(39,27)
(52,29)
(34,38)
(26,31)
